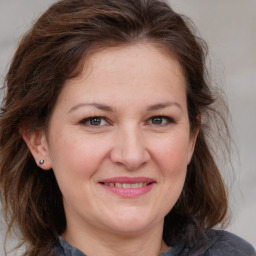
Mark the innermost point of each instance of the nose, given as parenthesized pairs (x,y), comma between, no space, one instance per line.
(129,149)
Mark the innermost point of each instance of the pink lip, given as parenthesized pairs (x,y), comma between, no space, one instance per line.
(130,180)
(128,192)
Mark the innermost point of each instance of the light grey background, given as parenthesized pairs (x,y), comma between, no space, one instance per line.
(229,27)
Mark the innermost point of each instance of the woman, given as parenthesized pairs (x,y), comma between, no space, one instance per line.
(104,135)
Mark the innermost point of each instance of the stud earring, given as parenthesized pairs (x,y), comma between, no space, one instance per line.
(41,162)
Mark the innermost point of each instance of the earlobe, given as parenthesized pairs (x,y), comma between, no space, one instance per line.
(38,146)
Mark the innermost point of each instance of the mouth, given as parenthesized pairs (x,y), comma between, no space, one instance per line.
(128,186)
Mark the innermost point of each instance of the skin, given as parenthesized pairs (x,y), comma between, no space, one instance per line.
(139,91)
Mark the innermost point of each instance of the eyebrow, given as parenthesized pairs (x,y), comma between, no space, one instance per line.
(96,105)
(110,109)
(164,105)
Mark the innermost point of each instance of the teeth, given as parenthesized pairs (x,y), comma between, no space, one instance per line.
(118,185)
(126,185)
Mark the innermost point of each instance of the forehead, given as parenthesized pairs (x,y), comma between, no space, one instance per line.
(140,70)
(140,60)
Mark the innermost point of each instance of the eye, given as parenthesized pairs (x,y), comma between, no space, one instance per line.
(94,121)
(160,120)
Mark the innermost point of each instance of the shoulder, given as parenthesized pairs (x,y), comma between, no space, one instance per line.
(220,243)
(63,248)
(58,250)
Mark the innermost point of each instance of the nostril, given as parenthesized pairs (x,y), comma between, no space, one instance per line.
(130,151)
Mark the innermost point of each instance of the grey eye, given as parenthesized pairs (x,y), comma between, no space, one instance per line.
(157,120)
(161,120)
(96,121)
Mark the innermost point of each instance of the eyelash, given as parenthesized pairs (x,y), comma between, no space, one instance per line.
(88,121)
(168,120)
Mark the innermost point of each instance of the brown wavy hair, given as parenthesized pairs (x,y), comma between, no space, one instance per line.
(53,51)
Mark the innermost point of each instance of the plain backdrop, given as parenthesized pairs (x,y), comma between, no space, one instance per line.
(229,28)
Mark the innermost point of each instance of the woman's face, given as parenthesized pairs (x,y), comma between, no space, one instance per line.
(119,140)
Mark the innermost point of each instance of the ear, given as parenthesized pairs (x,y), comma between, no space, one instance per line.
(38,146)
(193,138)
(192,144)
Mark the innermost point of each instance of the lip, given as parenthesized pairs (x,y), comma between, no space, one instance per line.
(144,185)
(130,180)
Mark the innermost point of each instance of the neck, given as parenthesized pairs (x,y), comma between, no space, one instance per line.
(91,243)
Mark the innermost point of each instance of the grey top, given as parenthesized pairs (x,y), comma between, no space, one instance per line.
(212,243)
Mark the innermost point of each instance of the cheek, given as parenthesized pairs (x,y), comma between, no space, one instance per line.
(75,158)
(172,153)
(171,157)
(172,162)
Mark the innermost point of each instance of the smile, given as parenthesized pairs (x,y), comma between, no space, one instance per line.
(128,187)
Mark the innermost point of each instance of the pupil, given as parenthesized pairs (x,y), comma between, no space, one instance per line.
(95,121)
(157,120)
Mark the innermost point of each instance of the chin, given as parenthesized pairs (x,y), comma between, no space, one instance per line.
(133,224)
